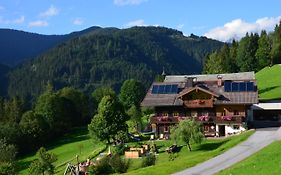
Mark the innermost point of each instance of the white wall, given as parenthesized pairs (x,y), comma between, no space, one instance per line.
(229,130)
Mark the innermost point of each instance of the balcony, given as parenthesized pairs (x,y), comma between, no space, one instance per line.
(230,119)
(165,119)
(199,103)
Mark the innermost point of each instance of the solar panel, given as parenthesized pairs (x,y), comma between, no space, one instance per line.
(250,86)
(242,87)
(234,87)
(154,89)
(161,89)
(227,86)
(174,89)
(168,89)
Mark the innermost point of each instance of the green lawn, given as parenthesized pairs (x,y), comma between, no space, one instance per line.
(269,82)
(69,146)
(76,143)
(267,161)
(184,159)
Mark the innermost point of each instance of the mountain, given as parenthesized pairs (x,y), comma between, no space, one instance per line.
(108,56)
(3,79)
(17,46)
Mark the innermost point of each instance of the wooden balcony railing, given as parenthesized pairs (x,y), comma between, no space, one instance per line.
(161,119)
(199,103)
(208,118)
(230,119)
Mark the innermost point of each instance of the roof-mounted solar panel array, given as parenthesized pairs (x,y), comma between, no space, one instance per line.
(165,89)
(230,86)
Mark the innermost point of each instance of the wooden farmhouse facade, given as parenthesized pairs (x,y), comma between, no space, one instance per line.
(218,102)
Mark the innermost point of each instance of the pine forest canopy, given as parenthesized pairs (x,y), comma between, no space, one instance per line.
(108,56)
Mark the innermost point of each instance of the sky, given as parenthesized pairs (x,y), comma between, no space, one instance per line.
(218,19)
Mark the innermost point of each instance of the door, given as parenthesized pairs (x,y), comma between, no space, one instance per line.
(221,130)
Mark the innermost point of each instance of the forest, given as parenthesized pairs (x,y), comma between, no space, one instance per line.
(252,53)
(107,57)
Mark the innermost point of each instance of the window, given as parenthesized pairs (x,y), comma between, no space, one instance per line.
(194,114)
(188,114)
(236,112)
(176,113)
(223,113)
(166,129)
(236,127)
(165,114)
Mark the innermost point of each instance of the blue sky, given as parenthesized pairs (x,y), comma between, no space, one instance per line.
(218,19)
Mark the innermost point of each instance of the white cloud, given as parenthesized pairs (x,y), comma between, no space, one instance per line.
(78,21)
(38,23)
(128,2)
(52,11)
(238,28)
(19,20)
(180,26)
(139,22)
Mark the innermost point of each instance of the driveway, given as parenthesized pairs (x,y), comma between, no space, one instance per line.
(260,139)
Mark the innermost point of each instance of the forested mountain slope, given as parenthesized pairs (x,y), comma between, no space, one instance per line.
(109,56)
(3,80)
(17,46)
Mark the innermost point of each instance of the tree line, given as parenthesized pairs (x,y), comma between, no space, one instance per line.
(252,53)
(25,128)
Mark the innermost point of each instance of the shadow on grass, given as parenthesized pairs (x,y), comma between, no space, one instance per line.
(211,146)
(22,165)
(267,89)
(76,135)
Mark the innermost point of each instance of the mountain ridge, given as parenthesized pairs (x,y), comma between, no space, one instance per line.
(29,45)
(108,56)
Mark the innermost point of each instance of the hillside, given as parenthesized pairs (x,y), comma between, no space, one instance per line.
(269,83)
(3,71)
(109,56)
(17,46)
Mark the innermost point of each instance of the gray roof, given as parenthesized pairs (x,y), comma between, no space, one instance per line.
(209,84)
(211,77)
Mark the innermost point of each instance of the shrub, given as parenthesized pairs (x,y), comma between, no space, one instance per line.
(118,164)
(149,160)
(120,149)
(7,168)
(101,167)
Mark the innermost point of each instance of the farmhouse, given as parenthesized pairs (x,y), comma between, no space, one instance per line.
(218,101)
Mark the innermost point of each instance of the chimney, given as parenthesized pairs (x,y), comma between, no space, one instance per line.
(219,80)
(189,81)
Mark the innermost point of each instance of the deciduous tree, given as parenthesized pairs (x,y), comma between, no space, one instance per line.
(131,93)
(189,131)
(110,119)
(43,164)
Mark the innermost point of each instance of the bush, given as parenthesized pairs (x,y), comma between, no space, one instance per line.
(7,168)
(118,164)
(102,167)
(120,149)
(149,160)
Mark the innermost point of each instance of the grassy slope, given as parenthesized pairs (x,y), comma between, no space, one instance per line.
(185,158)
(66,149)
(269,82)
(267,161)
